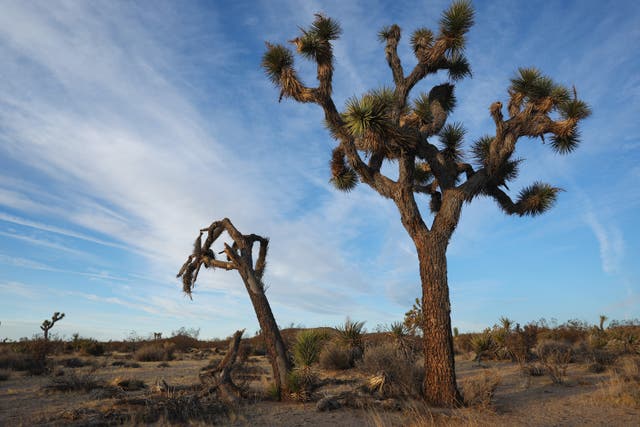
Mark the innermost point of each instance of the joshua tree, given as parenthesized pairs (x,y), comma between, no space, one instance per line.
(240,257)
(603,319)
(48,324)
(387,125)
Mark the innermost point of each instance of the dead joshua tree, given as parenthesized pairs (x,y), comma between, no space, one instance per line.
(240,257)
(387,125)
(219,378)
(48,324)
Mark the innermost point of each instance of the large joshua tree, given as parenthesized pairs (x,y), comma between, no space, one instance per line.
(387,125)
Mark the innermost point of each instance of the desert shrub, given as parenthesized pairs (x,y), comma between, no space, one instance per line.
(306,350)
(73,382)
(555,356)
(596,368)
(128,384)
(623,388)
(335,356)
(4,375)
(92,347)
(479,392)
(30,357)
(163,365)
(394,373)
(519,342)
(154,353)
(73,362)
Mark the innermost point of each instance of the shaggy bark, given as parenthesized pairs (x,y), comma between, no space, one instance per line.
(240,257)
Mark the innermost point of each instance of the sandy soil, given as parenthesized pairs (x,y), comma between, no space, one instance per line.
(531,401)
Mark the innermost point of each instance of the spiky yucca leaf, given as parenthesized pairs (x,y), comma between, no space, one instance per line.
(312,47)
(451,138)
(459,67)
(422,173)
(456,22)
(326,28)
(351,333)
(565,144)
(508,171)
(368,113)
(536,199)
(389,31)
(422,108)
(346,181)
(422,38)
(276,59)
(535,86)
(560,94)
(308,345)
(480,149)
(444,95)
(574,109)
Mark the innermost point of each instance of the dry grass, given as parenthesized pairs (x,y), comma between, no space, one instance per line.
(623,387)
(479,392)
(393,373)
(154,353)
(73,382)
(336,357)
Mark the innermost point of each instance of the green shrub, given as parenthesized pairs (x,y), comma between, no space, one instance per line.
(306,350)
(350,334)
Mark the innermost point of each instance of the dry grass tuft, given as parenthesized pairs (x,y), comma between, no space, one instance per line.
(73,382)
(128,384)
(154,353)
(479,392)
(394,373)
(623,387)
(335,356)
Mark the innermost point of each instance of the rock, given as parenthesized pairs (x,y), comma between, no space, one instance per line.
(328,403)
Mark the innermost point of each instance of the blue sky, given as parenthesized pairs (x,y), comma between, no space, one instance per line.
(127,126)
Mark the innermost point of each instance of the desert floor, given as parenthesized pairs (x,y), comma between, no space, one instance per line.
(531,401)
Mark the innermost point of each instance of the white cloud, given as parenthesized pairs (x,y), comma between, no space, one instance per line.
(611,243)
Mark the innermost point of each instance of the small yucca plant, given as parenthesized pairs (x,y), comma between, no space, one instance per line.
(350,334)
(308,345)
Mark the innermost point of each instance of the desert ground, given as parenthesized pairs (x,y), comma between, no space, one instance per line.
(135,386)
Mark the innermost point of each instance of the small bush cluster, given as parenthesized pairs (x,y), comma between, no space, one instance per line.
(154,353)
(394,372)
(555,356)
(479,392)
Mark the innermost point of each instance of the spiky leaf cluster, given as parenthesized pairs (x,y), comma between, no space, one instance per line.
(276,59)
(369,114)
(480,150)
(343,177)
(574,109)
(451,137)
(421,39)
(314,42)
(536,199)
(459,67)
(456,22)
(389,32)
(534,86)
(564,144)
(444,95)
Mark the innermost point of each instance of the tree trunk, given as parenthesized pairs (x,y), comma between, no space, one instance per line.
(440,387)
(275,345)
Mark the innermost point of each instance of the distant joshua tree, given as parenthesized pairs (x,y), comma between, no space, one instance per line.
(240,257)
(48,324)
(603,319)
(157,336)
(385,124)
